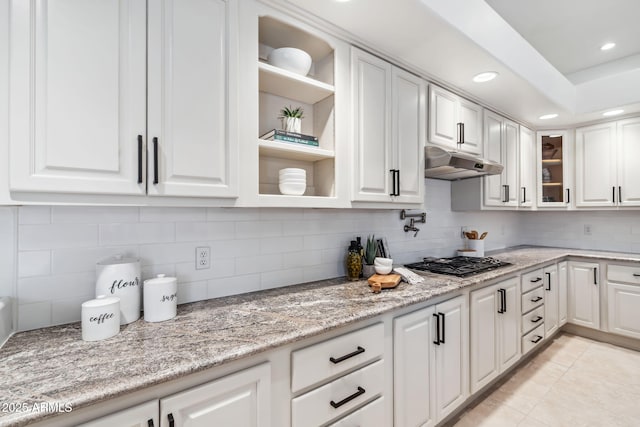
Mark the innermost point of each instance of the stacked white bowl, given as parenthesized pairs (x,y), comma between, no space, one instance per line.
(293,181)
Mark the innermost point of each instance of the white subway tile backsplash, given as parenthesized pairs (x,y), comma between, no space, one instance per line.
(153,214)
(190,292)
(281,214)
(280,278)
(48,288)
(167,253)
(93,214)
(187,272)
(34,263)
(34,215)
(258,264)
(136,233)
(151,271)
(217,288)
(301,259)
(196,231)
(233,214)
(54,236)
(34,316)
(85,259)
(68,310)
(281,244)
(226,249)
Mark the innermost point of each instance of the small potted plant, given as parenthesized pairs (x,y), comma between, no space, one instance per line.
(292,119)
(370,250)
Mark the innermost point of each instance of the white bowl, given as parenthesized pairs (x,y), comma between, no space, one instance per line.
(289,58)
(292,176)
(293,181)
(294,171)
(383,269)
(383,262)
(292,189)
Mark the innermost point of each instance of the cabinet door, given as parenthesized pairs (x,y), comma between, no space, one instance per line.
(583,295)
(188,99)
(443,117)
(596,165)
(551,300)
(628,155)
(452,356)
(408,124)
(372,124)
(471,117)
(77,95)
(624,309)
(510,160)
(413,368)
(554,169)
(562,293)
(509,325)
(483,352)
(143,415)
(239,400)
(527,168)
(494,192)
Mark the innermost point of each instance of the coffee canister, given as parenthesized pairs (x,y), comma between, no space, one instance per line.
(120,277)
(160,298)
(100,318)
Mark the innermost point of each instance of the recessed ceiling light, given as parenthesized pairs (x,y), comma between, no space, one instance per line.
(607,46)
(548,116)
(485,77)
(613,113)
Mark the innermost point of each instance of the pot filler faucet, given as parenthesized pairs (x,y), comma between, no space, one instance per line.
(412,221)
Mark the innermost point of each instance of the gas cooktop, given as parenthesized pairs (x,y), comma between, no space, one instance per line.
(460,266)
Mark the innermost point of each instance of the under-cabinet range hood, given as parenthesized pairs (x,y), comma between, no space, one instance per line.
(451,165)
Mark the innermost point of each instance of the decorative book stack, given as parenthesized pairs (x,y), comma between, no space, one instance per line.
(285,136)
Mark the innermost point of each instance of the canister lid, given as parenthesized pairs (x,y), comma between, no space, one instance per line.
(160,279)
(101,301)
(117,259)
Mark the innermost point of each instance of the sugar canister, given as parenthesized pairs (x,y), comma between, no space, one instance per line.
(160,298)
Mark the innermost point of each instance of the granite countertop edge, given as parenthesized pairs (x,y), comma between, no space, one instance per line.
(54,365)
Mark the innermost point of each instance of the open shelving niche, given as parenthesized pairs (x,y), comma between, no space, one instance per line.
(314,93)
(553,190)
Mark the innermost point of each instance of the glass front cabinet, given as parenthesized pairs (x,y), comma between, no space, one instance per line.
(553,169)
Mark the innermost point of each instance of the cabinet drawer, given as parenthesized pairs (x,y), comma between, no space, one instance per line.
(531,280)
(533,319)
(327,359)
(338,397)
(624,273)
(532,339)
(532,299)
(372,414)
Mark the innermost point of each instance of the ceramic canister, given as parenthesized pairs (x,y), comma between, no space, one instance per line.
(120,277)
(100,318)
(160,298)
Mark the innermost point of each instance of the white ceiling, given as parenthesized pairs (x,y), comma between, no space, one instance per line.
(449,41)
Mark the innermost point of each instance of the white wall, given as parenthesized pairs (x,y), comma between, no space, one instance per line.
(251,249)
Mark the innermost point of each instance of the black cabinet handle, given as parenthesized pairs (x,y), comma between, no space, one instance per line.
(537,279)
(537,339)
(524,195)
(348,398)
(619,194)
(460,133)
(536,299)
(140,160)
(393,182)
(443,327)
(595,275)
(171,420)
(398,182)
(506,193)
(568,195)
(155,159)
(347,356)
(502,301)
(149,423)
(636,275)
(462,139)
(537,319)
(437,341)
(548,288)
(613,193)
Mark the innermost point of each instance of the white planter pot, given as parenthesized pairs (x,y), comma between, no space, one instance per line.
(292,124)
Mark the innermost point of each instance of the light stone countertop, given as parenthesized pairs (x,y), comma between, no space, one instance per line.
(54,365)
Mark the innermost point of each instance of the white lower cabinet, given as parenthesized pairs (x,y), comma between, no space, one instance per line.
(584,294)
(495,331)
(144,415)
(563,283)
(533,308)
(623,288)
(430,363)
(551,300)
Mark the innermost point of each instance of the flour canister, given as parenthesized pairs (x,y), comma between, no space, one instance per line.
(120,277)
(100,318)
(160,298)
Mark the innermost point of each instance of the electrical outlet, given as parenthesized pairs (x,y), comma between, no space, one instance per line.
(587,229)
(203,257)
(463,229)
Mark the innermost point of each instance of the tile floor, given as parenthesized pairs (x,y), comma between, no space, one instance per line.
(573,382)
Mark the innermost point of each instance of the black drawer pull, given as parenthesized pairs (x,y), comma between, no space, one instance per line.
(536,299)
(636,275)
(548,281)
(537,279)
(537,319)
(149,423)
(347,356)
(171,420)
(537,339)
(348,398)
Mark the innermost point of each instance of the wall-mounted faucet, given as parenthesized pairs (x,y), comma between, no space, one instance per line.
(412,221)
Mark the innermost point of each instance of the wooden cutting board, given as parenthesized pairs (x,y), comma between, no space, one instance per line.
(383,281)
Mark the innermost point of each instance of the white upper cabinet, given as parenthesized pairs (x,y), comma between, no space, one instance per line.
(554,169)
(78,97)
(191,64)
(389,131)
(526,196)
(454,122)
(606,173)
(501,145)
(80,108)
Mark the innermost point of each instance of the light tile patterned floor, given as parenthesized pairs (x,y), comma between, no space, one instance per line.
(574,382)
